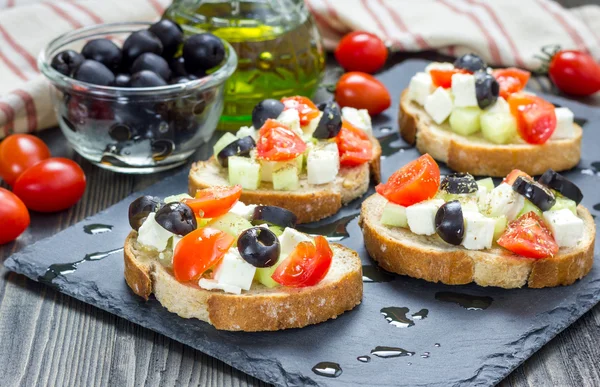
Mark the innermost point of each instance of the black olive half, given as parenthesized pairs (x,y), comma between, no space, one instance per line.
(240,147)
(177,218)
(140,208)
(561,184)
(275,216)
(259,246)
(459,183)
(487,89)
(330,123)
(470,62)
(449,222)
(265,109)
(534,192)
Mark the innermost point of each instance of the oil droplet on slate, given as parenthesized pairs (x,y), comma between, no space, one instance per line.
(396,316)
(467,301)
(391,143)
(327,369)
(437,345)
(597,207)
(334,231)
(420,315)
(57,269)
(425,355)
(373,273)
(364,359)
(387,352)
(97,228)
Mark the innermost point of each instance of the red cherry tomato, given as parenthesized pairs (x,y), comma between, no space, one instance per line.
(277,142)
(529,237)
(199,251)
(306,108)
(51,185)
(19,152)
(575,72)
(14,216)
(362,91)
(511,80)
(354,146)
(214,201)
(307,265)
(536,120)
(361,51)
(443,78)
(416,181)
(512,176)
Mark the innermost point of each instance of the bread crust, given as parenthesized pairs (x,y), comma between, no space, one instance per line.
(478,156)
(428,257)
(257,310)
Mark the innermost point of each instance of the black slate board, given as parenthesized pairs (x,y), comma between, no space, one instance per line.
(452,346)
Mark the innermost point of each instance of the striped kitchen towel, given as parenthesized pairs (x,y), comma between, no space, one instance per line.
(504,32)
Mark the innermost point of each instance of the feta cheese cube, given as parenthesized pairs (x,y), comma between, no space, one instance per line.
(323,164)
(359,118)
(564,123)
(479,231)
(439,66)
(310,128)
(482,193)
(291,119)
(503,200)
(242,210)
(421,216)
(246,131)
(566,227)
(463,89)
(233,270)
(439,105)
(152,234)
(501,106)
(419,88)
(289,239)
(211,284)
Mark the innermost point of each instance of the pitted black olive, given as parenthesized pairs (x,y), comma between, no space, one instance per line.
(534,192)
(140,208)
(240,147)
(265,109)
(177,218)
(470,62)
(558,182)
(274,215)
(259,246)
(487,89)
(330,123)
(66,62)
(449,222)
(459,183)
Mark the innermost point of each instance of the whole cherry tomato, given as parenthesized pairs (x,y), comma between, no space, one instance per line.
(529,237)
(13,215)
(354,146)
(19,152)
(536,120)
(214,201)
(575,72)
(361,51)
(307,265)
(362,91)
(51,185)
(277,142)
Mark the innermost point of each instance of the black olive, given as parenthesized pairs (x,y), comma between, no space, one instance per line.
(274,215)
(322,106)
(94,72)
(177,218)
(183,79)
(449,222)
(534,192)
(330,123)
(459,183)
(202,52)
(138,43)
(265,109)
(487,89)
(140,208)
(103,51)
(177,66)
(561,184)
(240,147)
(146,78)
(122,80)
(259,246)
(170,34)
(470,62)
(150,61)
(66,62)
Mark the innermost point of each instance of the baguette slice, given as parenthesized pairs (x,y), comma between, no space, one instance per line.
(428,257)
(476,155)
(260,309)
(310,203)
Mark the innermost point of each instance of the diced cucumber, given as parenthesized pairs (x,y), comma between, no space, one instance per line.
(500,226)
(488,183)
(529,207)
(463,198)
(267,168)
(285,178)
(225,140)
(499,128)
(394,215)
(244,171)
(465,120)
(263,274)
(177,198)
(563,202)
(300,163)
(231,223)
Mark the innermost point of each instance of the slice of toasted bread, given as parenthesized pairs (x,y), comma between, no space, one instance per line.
(311,202)
(476,155)
(261,308)
(428,257)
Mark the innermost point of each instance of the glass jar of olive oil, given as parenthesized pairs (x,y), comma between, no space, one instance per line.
(280,52)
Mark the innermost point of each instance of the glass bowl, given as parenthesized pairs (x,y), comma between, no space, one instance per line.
(134,130)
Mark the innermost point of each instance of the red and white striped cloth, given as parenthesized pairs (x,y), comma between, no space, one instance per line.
(504,32)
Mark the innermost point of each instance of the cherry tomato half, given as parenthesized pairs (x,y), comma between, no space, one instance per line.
(443,78)
(529,237)
(575,72)
(277,142)
(536,119)
(354,146)
(51,185)
(361,51)
(214,201)
(306,108)
(362,91)
(14,216)
(416,181)
(511,80)
(307,265)
(19,152)
(199,251)
(512,176)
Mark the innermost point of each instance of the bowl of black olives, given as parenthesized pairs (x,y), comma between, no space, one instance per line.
(137,97)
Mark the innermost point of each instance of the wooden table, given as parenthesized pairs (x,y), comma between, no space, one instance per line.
(47,338)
